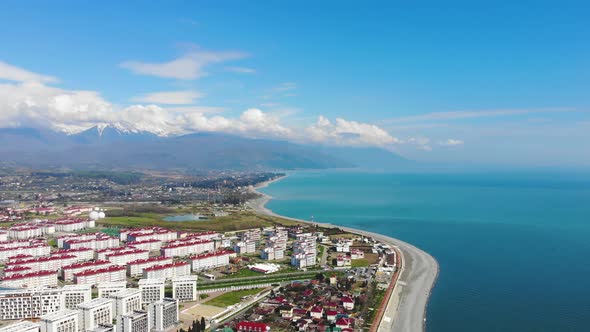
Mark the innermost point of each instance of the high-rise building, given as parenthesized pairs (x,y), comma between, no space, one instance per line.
(61,321)
(24,326)
(76,294)
(126,301)
(163,314)
(137,321)
(93,313)
(108,288)
(184,288)
(152,290)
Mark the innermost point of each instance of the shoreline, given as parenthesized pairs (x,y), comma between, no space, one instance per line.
(405,309)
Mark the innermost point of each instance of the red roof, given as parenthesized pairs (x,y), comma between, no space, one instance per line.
(65,251)
(132,243)
(30,275)
(149,260)
(85,264)
(186,243)
(252,326)
(165,266)
(211,254)
(127,252)
(16,268)
(40,259)
(99,271)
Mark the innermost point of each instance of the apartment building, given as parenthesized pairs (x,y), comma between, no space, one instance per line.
(61,321)
(53,262)
(184,288)
(108,274)
(125,256)
(82,254)
(135,268)
(126,301)
(245,247)
(163,314)
(76,294)
(167,271)
(108,288)
(185,247)
(211,260)
(93,313)
(34,250)
(29,303)
(31,280)
(149,244)
(24,326)
(68,272)
(152,290)
(137,321)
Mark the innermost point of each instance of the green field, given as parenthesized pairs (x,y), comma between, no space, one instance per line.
(361,262)
(236,222)
(227,299)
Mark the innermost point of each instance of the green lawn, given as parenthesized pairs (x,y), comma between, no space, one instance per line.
(361,262)
(227,299)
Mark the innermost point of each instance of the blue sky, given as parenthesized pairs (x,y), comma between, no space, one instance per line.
(454,81)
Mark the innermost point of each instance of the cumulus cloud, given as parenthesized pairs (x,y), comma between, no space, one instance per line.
(169,97)
(12,73)
(348,133)
(187,67)
(32,103)
(241,70)
(451,142)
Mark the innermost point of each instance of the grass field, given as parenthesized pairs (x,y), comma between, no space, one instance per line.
(227,299)
(361,262)
(235,222)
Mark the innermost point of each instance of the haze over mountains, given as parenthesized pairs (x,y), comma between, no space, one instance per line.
(107,147)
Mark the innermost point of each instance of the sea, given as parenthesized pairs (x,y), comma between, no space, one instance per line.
(513,248)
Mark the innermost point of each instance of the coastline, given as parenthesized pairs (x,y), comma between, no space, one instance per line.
(406,307)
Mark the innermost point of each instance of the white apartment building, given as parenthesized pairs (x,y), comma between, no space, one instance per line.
(108,288)
(53,262)
(167,271)
(126,301)
(136,268)
(76,294)
(61,321)
(24,232)
(93,313)
(24,326)
(210,260)
(182,248)
(126,256)
(108,274)
(184,288)
(68,272)
(16,269)
(272,253)
(29,303)
(157,233)
(3,236)
(245,247)
(149,244)
(137,321)
(82,254)
(35,250)
(303,260)
(97,243)
(163,314)
(201,236)
(71,225)
(31,280)
(70,237)
(152,290)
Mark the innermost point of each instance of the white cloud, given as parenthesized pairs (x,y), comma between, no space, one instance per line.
(344,132)
(169,97)
(451,142)
(459,115)
(187,67)
(241,70)
(12,73)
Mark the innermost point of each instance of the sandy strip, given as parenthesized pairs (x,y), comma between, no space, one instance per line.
(406,308)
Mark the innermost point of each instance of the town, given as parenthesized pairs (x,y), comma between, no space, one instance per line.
(79,267)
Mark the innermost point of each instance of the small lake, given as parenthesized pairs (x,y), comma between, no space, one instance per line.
(186,217)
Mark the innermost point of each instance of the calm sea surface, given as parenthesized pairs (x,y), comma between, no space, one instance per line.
(513,249)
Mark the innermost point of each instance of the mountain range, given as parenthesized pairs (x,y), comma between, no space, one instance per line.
(108,147)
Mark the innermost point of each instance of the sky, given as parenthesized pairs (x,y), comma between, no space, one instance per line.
(466,82)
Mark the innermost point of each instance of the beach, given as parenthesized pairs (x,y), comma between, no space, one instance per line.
(406,307)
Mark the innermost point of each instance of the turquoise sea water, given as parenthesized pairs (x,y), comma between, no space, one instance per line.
(513,249)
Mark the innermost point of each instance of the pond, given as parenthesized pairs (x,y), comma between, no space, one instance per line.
(186,217)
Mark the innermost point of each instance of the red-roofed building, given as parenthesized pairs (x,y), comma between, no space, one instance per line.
(136,268)
(211,260)
(31,280)
(126,256)
(168,271)
(45,263)
(182,248)
(347,303)
(149,244)
(68,272)
(252,327)
(82,254)
(112,273)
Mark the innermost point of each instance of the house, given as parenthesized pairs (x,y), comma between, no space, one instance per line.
(316,312)
(344,323)
(347,303)
(331,315)
(252,327)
